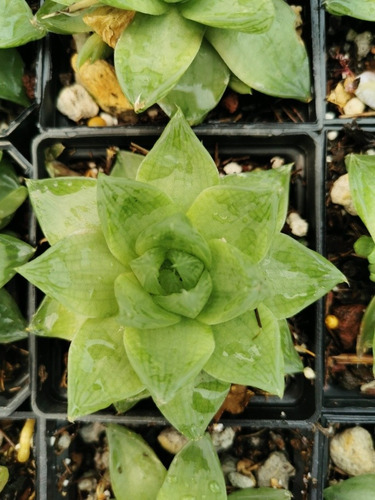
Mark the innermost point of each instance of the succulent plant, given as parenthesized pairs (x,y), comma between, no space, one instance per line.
(359,9)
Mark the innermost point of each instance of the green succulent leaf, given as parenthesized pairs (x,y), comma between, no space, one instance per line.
(196,472)
(126,164)
(12,194)
(52,319)
(12,323)
(126,208)
(64,205)
(128,403)
(135,470)
(137,307)
(238,86)
(78,271)
(143,75)
(262,60)
(252,16)
(11,73)
(366,336)
(177,160)
(292,361)
(359,9)
(18,26)
(53,18)
(296,276)
(263,493)
(166,359)
(364,246)
(4,476)
(13,253)
(153,7)
(195,404)
(93,50)
(99,369)
(200,88)
(361,169)
(359,487)
(253,356)
(245,217)
(236,284)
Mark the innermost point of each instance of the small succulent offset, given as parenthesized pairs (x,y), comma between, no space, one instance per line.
(361,170)
(13,252)
(175,284)
(359,9)
(179,53)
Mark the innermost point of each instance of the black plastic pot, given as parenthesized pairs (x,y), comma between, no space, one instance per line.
(18,388)
(302,399)
(257,111)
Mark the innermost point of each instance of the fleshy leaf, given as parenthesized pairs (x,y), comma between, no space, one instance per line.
(12,323)
(11,74)
(262,493)
(252,356)
(126,164)
(292,361)
(196,472)
(99,370)
(17,24)
(136,472)
(365,339)
(52,319)
(166,359)
(126,208)
(295,283)
(244,217)
(146,268)
(143,75)
(177,160)
(12,194)
(361,170)
(51,17)
(195,404)
(359,9)
(200,88)
(174,232)
(359,487)
(126,404)
(136,306)
(153,7)
(253,16)
(92,50)
(263,61)
(78,271)
(64,205)
(13,253)
(236,284)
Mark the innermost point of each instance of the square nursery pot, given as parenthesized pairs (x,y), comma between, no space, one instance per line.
(346,51)
(19,449)
(302,399)
(14,364)
(77,457)
(348,378)
(249,111)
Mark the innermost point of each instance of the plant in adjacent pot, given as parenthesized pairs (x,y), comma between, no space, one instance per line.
(13,252)
(172,292)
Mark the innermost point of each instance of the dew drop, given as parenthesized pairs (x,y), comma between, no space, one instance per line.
(172,479)
(214,487)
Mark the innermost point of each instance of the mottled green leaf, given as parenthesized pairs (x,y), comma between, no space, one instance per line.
(12,323)
(153,7)
(52,319)
(263,493)
(99,369)
(359,9)
(18,26)
(296,276)
(126,208)
(12,194)
(64,205)
(245,217)
(253,16)
(135,470)
(166,359)
(11,74)
(359,487)
(93,50)
(263,61)
(144,76)
(195,404)
(292,360)
(126,164)
(236,284)
(248,353)
(78,271)
(365,339)
(13,253)
(200,88)
(177,160)
(196,472)
(52,17)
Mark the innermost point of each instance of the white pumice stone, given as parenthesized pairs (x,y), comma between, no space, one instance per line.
(340,194)
(232,168)
(298,226)
(276,468)
(223,440)
(332,135)
(352,450)
(172,440)
(76,103)
(363,43)
(354,106)
(241,481)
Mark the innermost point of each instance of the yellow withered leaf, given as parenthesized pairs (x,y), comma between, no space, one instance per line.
(109,22)
(339,95)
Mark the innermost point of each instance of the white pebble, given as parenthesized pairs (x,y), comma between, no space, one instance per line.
(309,373)
(90,433)
(332,135)
(241,481)
(232,168)
(76,103)
(276,468)
(172,440)
(370,152)
(298,226)
(223,440)
(109,119)
(340,194)
(363,43)
(228,464)
(355,106)
(366,89)
(330,115)
(277,161)
(353,451)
